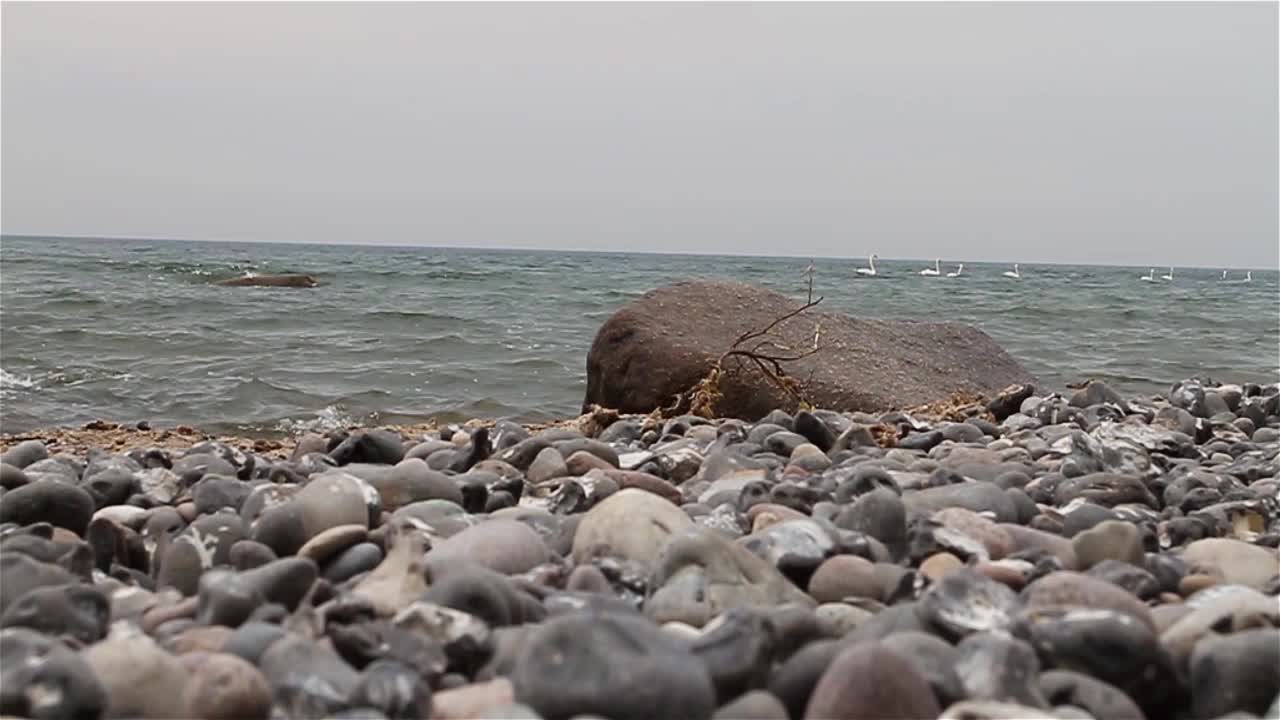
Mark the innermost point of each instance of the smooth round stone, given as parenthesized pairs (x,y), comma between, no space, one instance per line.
(141,679)
(938,565)
(753,705)
(21,574)
(845,576)
(215,492)
(934,658)
(251,640)
(285,581)
(224,687)
(12,477)
(1109,540)
(25,453)
(412,480)
(568,667)
(1236,672)
(203,544)
(582,462)
(333,541)
(1072,588)
(1235,561)
(507,546)
(837,619)
(974,496)
(249,554)
(630,524)
(40,677)
(1011,573)
(129,516)
(1102,701)
(887,686)
(57,503)
(547,465)
(354,560)
(78,611)
(331,499)
(881,515)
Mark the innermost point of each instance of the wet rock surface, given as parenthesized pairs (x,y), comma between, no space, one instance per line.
(1035,556)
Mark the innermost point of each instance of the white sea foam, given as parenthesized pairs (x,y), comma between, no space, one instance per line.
(9,381)
(330,418)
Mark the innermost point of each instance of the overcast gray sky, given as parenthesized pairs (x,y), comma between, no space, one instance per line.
(1140,133)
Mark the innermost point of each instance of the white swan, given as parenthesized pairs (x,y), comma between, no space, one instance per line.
(1248,276)
(1224,274)
(935,270)
(1169,277)
(869,270)
(1149,277)
(957,272)
(1013,273)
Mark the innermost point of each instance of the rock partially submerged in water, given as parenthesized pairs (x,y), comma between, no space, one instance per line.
(297,280)
(665,342)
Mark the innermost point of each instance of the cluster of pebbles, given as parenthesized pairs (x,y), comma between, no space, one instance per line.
(1047,557)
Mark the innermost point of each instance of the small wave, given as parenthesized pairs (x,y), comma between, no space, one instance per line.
(333,417)
(9,381)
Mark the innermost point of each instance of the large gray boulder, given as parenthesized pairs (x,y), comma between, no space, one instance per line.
(665,342)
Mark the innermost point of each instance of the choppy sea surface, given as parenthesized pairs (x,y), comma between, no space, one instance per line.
(133,330)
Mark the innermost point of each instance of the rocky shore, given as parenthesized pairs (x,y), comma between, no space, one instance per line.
(1070,556)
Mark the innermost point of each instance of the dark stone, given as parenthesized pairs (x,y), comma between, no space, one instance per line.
(814,430)
(1236,672)
(78,611)
(569,666)
(887,686)
(353,561)
(737,650)
(1134,580)
(21,573)
(1102,701)
(215,492)
(793,682)
(43,679)
(881,515)
(1009,400)
(934,659)
(394,689)
(57,503)
(369,446)
(110,486)
(924,441)
(664,343)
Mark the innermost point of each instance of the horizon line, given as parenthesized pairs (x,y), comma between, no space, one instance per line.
(676,253)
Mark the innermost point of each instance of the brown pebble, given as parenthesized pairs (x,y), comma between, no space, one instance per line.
(1003,574)
(582,462)
(199,639)
(224,686)
(63,535)
(938,565)
(845,576)
(1168,598)
(188,511)
(1195,582)
(471,701)
(645,481)
(156,616)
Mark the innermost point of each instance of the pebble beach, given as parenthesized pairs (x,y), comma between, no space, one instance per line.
(1070,555)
